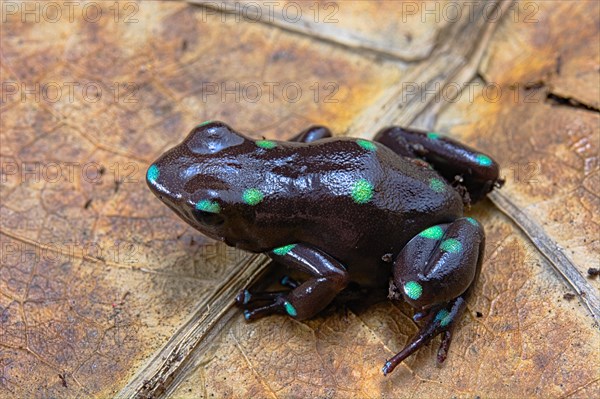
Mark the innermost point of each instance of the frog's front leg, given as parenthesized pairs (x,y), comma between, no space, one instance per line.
(327,278)
(312,134)
(435,273)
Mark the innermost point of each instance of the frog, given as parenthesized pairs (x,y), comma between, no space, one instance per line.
(338,208)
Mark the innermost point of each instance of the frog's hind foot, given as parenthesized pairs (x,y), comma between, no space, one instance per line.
(438,320)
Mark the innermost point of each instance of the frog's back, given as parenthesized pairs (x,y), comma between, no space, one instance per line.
(356,198)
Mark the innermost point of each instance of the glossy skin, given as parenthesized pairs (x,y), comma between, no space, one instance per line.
(333,208)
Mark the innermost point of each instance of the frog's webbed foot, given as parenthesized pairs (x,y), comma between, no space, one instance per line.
(441,321)
(327,278)
(435,273)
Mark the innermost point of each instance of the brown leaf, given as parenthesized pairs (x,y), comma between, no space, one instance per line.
(399,31)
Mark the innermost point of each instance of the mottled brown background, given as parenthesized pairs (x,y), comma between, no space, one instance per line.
(104,292)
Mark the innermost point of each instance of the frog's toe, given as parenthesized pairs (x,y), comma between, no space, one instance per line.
(272,303)
(262,311)
(443,349)
(421,315)
(439,321)
(261,304)
(289,282)
(245,298)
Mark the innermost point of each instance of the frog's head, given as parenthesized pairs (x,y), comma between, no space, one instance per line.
(194,178)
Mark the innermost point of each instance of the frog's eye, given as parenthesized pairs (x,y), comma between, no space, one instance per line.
(212,137)
(208,218)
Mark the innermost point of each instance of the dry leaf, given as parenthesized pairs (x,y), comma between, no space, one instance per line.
(104,291)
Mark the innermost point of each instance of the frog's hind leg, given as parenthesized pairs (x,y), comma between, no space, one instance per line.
(311,134)
(457,163)
(327,278)
(435,273)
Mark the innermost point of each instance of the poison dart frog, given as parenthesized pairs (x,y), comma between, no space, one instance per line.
(336,208)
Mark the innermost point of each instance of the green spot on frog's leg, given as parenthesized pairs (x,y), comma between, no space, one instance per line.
(204,123)
(483,160)
(362,191)
(413,290)
(433,136)
(153,173)
(437,185)
(208,206)
(290,309)
(443,316)
(366,144)
(451,245)
(281,251)
(434,232)
(266,144)
(472,221)
(252,196)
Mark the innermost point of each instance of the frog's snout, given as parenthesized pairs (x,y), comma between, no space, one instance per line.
(152,175)
(156,183)
(152,179)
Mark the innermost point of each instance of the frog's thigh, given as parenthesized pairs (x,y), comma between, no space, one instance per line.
(435,272)
(327,278)
(311,134)
(479,172)
(440,263)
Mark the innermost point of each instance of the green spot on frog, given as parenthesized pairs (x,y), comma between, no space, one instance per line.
(483,160)
(281,251)
(435,233)
(204,123)
(362,191)
(208,206)
(290,309)
(366,144)
(433,136)
(443,316)
(253,196)
(413,290)
(153,173)
(472,221)
(266,144)
(451,245)
(437,185)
